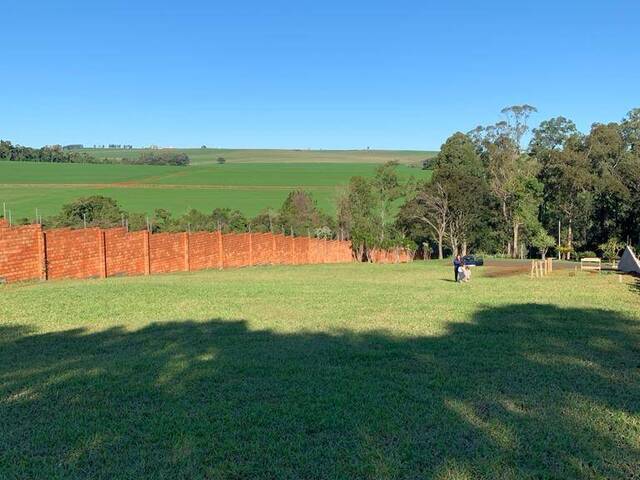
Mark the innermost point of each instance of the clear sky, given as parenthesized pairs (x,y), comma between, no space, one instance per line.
(307,74)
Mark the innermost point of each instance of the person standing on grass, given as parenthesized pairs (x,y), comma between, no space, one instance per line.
(457,263)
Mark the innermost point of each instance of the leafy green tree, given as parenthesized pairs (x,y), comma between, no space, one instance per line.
(610,249)
(551,135)
(265,221)
(160,157)
(195,221)
(300,214)
(93,211)
(425,214)
(229,220)
(388,189)
(358,216)
(542,241)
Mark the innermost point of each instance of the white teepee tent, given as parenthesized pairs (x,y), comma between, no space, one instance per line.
(629,262)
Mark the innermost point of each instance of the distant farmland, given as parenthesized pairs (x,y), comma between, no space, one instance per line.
(201,156)
(249,187)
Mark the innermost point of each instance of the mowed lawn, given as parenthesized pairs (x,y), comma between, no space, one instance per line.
(249,187)
(327,371)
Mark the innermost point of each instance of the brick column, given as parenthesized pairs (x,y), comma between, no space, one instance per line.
(147,254)
(185,239)
(273,249)
(293,250)
(42,253)
(102,253)
(220,251)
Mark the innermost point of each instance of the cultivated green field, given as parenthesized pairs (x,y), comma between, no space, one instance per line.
(329,371)
(249,187)
(209,155)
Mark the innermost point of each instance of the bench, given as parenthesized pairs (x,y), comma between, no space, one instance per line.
(591,263)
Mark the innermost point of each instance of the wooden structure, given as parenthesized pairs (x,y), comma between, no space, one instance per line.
(541,268)
(593,264)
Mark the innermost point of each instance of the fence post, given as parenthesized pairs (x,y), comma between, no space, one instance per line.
(187,266)
(103,253)
(147,254)
(42,253)
(220,251)
(532,269)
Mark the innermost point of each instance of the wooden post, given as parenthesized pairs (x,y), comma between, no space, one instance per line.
(147,254)
(102,253)
(187,263)
(220,251)
(531,272)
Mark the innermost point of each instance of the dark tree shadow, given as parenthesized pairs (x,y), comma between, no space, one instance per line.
(521,391)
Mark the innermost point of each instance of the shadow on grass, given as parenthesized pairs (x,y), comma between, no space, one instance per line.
(522,391)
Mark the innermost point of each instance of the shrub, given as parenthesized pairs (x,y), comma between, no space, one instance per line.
(160,157)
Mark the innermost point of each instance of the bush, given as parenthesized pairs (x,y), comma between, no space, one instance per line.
(221,160)
(93,211)
(160,157)
(586,254)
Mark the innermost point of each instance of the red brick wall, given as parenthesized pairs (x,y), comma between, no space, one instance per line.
(20,252)
(97,253)
(204,250)
(301,248)
(74,253)
(125,252)
(236,249)
(281,253)
(390,256)
(262,244)
(167,252)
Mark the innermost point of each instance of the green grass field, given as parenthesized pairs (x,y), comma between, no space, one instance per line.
(209,155)
(329,371)
(249,187)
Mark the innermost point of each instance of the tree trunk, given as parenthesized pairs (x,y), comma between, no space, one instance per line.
(569,240)
(516,228)
(440,242)
(464,248)
(509,249)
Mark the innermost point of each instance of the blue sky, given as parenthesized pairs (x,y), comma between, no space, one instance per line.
(298,74)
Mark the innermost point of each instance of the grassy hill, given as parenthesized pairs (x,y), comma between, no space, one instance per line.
(329,371)
(200,156)
(249,187)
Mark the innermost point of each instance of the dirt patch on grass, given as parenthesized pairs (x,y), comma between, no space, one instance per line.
(504,268)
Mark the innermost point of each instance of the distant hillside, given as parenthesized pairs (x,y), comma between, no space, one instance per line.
(202,156)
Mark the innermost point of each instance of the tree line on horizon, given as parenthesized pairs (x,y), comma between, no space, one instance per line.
(59,154)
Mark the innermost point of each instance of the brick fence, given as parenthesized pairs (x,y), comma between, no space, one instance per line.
(32,253)
(29,252)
